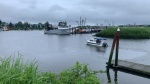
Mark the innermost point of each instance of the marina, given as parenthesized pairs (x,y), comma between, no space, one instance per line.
(44,49)
(74,42)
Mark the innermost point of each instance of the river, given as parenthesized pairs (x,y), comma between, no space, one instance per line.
(58,52)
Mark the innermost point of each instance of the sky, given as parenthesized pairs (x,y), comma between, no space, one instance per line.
(96,12)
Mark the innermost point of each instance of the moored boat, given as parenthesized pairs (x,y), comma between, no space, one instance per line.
(62,29)
(97,41)
(5,28)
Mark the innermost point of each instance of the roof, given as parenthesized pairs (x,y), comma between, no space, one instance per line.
(99,38)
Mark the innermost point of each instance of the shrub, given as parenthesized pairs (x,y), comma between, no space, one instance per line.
(79,74)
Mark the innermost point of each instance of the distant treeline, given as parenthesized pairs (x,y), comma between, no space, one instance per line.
(127,32)
(24,25)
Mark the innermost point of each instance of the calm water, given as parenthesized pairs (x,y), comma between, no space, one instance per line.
(56,53)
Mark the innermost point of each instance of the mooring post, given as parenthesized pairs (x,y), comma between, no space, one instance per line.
(112,51)
(116,37)
(117,47)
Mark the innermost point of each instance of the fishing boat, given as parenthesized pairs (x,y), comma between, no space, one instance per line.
(97,41)
(62,29)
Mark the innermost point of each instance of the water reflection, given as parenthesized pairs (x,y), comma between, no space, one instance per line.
(115,76)
(98,49)
(108,75)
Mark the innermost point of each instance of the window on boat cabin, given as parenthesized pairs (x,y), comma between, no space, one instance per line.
(98,41)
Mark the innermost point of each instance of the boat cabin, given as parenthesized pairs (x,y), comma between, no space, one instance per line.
(99,40)
(62,24)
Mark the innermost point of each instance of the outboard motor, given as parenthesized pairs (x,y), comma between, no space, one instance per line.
(105,44)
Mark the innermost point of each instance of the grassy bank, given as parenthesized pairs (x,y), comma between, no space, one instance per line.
(15,71)
(127,33)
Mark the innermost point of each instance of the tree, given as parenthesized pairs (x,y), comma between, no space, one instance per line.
(46,25)
(3,24)
(26,25)
(0,23)
(10,25)
(20,25)
(40,25)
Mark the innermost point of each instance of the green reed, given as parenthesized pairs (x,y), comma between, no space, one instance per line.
(127,33)
(16,71)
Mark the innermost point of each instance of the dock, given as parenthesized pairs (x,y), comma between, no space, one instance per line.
(123,65)
(131,66)
(84,31)
(126,66)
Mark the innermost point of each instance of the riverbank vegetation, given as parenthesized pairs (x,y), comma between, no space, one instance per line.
(15,71)
(127,33)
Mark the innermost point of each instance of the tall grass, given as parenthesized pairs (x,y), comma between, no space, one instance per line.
(127,33)
(15,71)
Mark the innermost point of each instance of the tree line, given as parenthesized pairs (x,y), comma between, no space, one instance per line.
(24,25)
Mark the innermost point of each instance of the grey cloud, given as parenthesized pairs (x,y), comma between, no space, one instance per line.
(95,11)
(123,11)
(6,12)
(56,8)
(30,3)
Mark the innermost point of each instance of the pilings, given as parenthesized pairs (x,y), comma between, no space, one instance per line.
(115,42)
(142,69)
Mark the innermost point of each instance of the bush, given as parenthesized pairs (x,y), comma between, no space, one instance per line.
(78,74)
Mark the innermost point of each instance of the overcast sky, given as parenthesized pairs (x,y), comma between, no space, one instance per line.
(95,11)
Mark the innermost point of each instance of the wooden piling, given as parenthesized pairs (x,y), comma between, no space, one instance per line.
(117,48)
(115,41)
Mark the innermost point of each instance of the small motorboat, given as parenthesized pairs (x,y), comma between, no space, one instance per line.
(97,41)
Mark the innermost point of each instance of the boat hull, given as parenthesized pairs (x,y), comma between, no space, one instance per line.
(58,31)
(101,44)
(95,44)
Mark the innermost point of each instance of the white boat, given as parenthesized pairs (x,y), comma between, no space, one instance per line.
(97,41)
(62,29)
(5,28)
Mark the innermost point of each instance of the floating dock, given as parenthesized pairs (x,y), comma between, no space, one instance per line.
(131,66)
